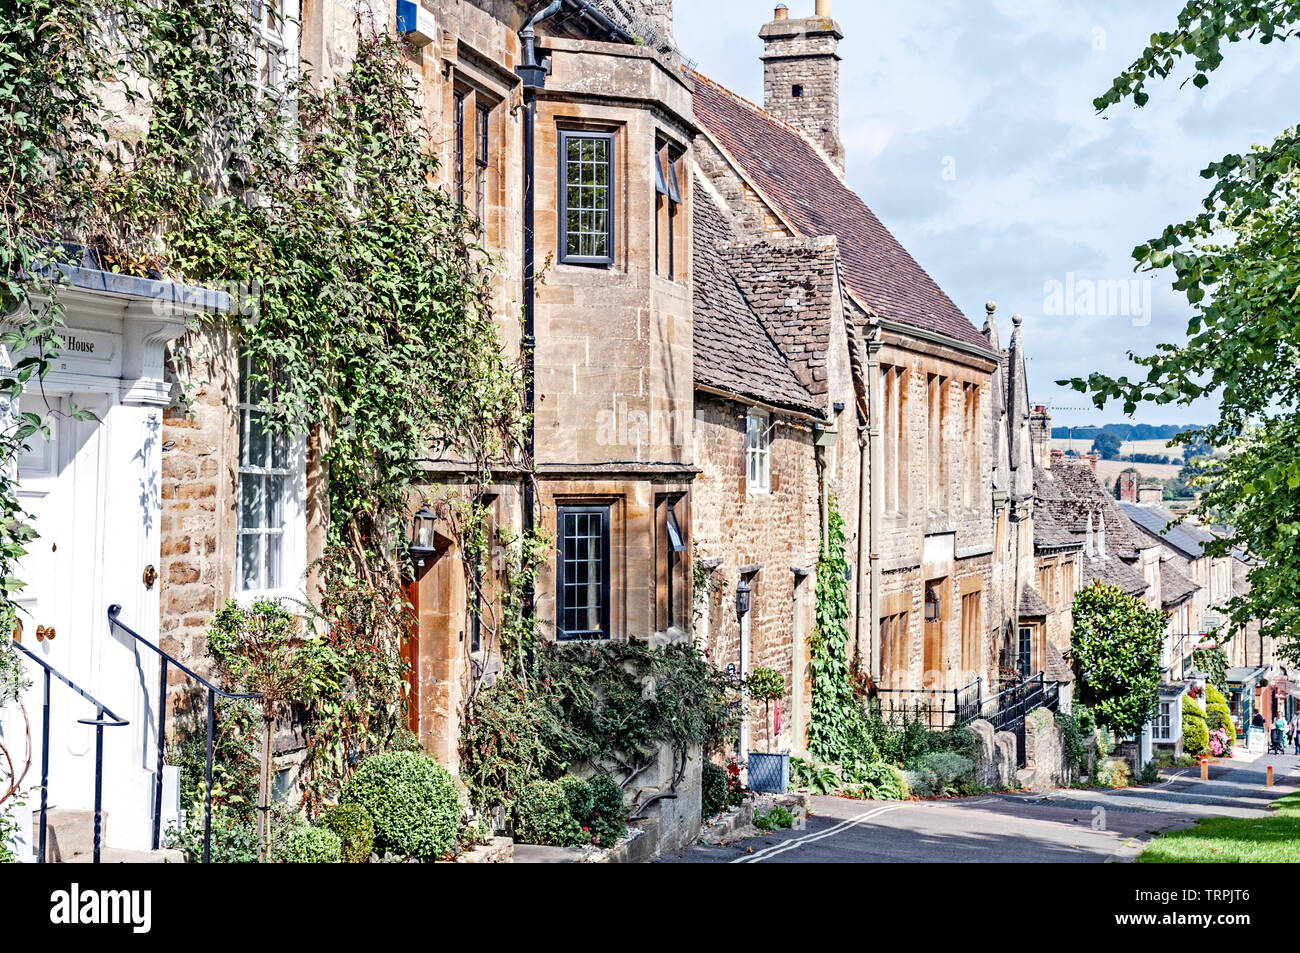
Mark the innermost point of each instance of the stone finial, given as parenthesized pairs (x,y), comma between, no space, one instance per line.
(1017,319)
(1101,537)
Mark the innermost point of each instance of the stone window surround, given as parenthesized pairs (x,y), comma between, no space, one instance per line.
(606,511)
(276,28)
(476,176)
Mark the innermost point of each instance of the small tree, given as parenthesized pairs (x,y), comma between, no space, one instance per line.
(768,685)
(1116,644)
(259,649)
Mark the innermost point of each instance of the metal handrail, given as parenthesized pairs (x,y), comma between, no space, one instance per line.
(114,611)
(100,722)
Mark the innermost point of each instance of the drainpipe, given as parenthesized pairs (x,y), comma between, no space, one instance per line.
(533,78)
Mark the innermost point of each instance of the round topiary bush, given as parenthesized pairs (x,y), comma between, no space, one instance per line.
(355,830)
(312,845)
(412,801)
(542,816)
(1196,735)
(577,792)
(713,785)
(1217,713)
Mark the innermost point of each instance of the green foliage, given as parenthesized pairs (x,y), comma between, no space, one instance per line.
(1108,445)
(259,650)
(9,829)
(359,709)
(1196,733)
(608,821)
(817,778)
(542,816)
(312,845)
(1150,772)
(837,731)
(1076,728)
(355,831)
(1117,642)
(877,781)
(1114,774)
(941,774)
(1217,713)
(775,819)
(412,801)
(713,788)
(765,684)
(1214,663)
(609,705)
(1238,263)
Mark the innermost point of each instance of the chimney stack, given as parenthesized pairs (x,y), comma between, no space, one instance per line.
(1151,493)
(655,16)
(801,76)
(1040,436)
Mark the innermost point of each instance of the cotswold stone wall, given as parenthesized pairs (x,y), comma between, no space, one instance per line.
(200,454)
(777,531)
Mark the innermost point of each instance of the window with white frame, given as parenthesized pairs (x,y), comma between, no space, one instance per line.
(271,551)
(1162,729)
(758,451)
(275,32)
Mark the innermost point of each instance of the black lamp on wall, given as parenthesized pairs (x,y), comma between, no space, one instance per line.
(744,598)
(423,534)
(931,604)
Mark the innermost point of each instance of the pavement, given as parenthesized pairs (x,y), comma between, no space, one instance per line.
(1062,825)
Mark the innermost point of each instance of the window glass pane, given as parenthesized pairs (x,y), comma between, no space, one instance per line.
(252,501)
(582,538)
(249,562)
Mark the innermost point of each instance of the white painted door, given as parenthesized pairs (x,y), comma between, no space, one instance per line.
(58,486)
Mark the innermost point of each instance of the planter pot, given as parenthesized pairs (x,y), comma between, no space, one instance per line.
(769,773)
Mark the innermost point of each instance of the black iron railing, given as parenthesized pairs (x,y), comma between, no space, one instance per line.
(104,718)
(936,708)
(1006,710)
(166,660)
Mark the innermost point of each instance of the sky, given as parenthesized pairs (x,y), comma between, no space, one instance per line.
(970,132)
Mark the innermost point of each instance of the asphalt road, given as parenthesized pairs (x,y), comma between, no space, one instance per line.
(1058,826)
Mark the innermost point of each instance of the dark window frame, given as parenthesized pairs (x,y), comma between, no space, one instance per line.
(667,158)
(563,204)
(604,633)
(458,102)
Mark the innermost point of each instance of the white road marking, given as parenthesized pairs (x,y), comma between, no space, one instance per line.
(784,846)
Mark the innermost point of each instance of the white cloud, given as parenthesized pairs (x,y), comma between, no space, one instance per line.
(1044,186)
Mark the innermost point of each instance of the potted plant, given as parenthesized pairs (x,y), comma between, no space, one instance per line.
(768,771)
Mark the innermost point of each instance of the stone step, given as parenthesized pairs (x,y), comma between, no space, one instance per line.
(68,832)
(119,855)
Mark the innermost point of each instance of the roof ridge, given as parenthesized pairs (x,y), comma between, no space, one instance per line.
(698,76)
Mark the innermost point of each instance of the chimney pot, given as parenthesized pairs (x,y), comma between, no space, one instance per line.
(782,12)
(823,8)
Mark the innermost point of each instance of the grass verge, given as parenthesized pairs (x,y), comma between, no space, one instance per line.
(1233,840)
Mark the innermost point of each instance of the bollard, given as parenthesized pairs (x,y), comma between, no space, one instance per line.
(1269,776)
(1205,769)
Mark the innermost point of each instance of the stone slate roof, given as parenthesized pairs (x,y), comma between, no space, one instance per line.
(1085,495)
(1175,587)
(1032,605)
(1188,538)
(1057,669)
(796,177)
(732,350)
(1114,572)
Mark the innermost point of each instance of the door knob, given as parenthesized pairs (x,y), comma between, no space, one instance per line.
(149,577)
(43,633)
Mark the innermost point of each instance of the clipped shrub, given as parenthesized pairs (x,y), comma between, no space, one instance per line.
(608,818)
(412,801)
(542,816)
(941,773)
(1196,734)
(1218,716)
(312,845)
(713,789)
(355,830)
(577,792)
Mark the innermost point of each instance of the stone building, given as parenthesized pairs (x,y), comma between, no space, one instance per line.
(900,433)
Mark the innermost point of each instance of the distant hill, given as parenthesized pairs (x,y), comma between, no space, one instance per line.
(1125,432)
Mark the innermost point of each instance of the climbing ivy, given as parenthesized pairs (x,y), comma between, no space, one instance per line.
(837,731)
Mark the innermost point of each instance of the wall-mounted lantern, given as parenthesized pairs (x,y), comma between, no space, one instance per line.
(744,598)
(931,604)
(423,535)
